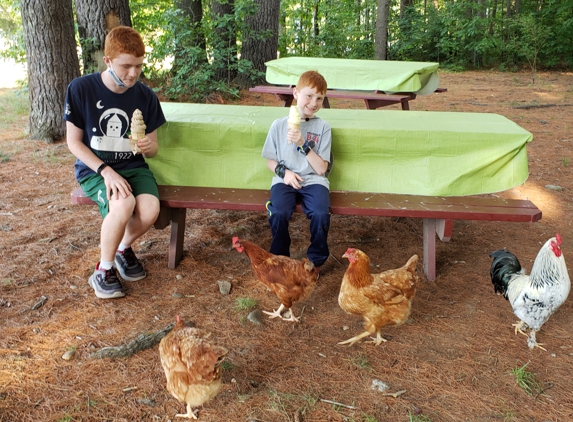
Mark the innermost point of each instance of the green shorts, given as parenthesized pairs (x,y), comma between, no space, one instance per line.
(141,181)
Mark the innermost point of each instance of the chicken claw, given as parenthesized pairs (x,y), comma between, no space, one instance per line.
(377,341)
(518,327)
(278,314)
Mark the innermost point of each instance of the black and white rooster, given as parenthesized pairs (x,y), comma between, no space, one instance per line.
(534,297)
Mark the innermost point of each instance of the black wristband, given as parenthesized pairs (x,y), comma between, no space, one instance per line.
(305,148)
(100,168)
(280,170)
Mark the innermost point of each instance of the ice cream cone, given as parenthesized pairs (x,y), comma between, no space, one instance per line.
(294,119)
(137,130)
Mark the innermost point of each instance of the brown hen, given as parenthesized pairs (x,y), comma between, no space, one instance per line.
(192,366)
(381,299)
(290,279)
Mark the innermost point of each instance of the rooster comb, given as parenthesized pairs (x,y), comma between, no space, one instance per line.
(558,239)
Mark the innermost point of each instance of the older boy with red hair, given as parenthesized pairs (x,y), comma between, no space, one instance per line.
(98,110)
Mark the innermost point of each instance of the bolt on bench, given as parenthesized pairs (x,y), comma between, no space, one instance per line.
(414,165)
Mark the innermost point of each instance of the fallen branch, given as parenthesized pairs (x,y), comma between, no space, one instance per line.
(337,404)
(526,107)
(142,342)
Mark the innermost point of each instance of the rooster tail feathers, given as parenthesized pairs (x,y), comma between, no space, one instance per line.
(504,267)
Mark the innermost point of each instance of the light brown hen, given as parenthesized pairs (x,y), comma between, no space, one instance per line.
(192,365)
(290,279)
(381,299)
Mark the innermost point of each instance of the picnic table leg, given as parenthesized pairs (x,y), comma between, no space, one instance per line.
(406,103)
(177,236)
(430,248)
(285,98)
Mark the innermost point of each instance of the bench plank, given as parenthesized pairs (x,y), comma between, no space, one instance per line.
(372,99)
(438,213)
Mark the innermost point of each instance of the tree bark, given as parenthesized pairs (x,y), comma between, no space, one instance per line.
(403,5)
(260,50)
(193,11)
(224,40)
(95,20)
(381,40)
(49,38)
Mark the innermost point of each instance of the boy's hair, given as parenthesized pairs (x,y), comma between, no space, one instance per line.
(123,39)
(312,79)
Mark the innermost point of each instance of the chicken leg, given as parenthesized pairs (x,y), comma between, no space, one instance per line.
(532,342)
(377,341)
(189,415)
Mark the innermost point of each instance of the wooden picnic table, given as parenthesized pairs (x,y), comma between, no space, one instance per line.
(372,99)
(379,83)
(388,76)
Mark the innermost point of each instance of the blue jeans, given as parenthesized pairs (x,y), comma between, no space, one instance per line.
(315,201)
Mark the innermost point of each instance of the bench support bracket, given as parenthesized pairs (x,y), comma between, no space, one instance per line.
(177,237)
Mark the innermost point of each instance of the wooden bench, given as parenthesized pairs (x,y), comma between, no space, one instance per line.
(372,99)
(438,213)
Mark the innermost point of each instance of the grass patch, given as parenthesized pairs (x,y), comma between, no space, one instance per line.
(418,418)
(245,303)
(14,105)
(287,404)
(526,380)
(361,361)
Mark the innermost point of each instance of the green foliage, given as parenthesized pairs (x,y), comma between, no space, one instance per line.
(529,37)
(329,28)
(526,380)
(195,62)
(184,69)
(245,303)
(11,32)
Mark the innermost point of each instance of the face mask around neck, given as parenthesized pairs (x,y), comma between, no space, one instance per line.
(115,78)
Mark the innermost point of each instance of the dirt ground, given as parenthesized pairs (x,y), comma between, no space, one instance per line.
(454,358)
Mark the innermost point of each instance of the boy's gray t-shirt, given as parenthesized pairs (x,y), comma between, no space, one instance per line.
(277,148)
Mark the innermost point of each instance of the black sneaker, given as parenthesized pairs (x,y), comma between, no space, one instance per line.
(106,284)
(128,266)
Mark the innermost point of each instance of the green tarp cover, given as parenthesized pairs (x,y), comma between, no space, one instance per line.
(391,151)
(369,75)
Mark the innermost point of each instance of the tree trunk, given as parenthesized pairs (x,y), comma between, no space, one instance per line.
(95,20)
(193,11)
(224,40)
(259,51)
(52,59)
(381,40)
(492,18)
(403,5)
